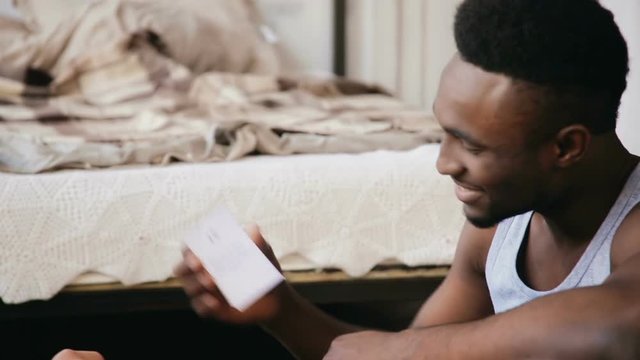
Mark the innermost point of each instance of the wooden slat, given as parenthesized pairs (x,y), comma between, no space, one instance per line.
(322,287)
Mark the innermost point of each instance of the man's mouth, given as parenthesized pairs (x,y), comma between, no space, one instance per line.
(467,194)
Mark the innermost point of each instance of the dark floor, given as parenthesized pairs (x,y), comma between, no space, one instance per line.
(171,334)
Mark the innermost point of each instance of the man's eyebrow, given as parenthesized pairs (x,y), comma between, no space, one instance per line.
(464,136)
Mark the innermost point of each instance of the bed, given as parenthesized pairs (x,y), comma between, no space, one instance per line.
(92,223)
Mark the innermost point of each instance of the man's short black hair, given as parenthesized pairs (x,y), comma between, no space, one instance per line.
(566,46)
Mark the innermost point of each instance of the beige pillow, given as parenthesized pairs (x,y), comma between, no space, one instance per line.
(208,35)
(203,35)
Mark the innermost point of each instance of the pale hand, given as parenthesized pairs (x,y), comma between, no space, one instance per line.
(68,354)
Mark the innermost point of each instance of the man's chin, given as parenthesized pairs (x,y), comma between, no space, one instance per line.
(485,219)
(480,221)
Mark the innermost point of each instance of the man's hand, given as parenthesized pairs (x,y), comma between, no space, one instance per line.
(372,345)
(208,301)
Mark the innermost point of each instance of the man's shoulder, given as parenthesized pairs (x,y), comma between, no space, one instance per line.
(626,242)
(474,244)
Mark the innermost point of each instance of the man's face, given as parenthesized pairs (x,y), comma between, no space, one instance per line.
(488,149)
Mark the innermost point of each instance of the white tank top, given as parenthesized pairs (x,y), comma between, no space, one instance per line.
(505,286)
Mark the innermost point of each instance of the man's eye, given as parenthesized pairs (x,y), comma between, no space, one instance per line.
(472,149)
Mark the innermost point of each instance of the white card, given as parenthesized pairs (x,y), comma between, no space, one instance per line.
(241,271)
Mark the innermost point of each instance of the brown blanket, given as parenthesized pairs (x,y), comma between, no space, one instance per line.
(146,82)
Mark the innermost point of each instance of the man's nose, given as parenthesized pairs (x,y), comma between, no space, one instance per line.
(447,163)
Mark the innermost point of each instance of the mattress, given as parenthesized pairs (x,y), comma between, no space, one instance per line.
(342,211)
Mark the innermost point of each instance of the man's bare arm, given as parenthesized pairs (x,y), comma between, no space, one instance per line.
(463,296)
(599,322)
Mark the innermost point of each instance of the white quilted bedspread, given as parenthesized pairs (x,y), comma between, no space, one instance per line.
(340,211)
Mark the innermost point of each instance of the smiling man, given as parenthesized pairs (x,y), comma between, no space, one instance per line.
(548,264)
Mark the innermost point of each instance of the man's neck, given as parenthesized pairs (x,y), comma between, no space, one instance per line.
(576,216)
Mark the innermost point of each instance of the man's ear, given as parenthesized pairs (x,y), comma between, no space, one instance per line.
(571,144)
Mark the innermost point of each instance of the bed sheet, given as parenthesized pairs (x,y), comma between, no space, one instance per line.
(343,211)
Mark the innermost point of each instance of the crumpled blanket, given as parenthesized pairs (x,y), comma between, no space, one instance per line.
(99,84)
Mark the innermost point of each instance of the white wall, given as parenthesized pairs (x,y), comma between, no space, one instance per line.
(402,45)
(6,8)
(627,15)
(305,29)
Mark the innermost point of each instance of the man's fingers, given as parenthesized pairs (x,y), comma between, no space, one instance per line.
(189,264)
(192,286)
(182,269)
(193,262)
(201,283)
(206,281)
(253,231)
(206,305)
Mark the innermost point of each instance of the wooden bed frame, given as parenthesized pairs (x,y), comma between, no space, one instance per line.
(382,284)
